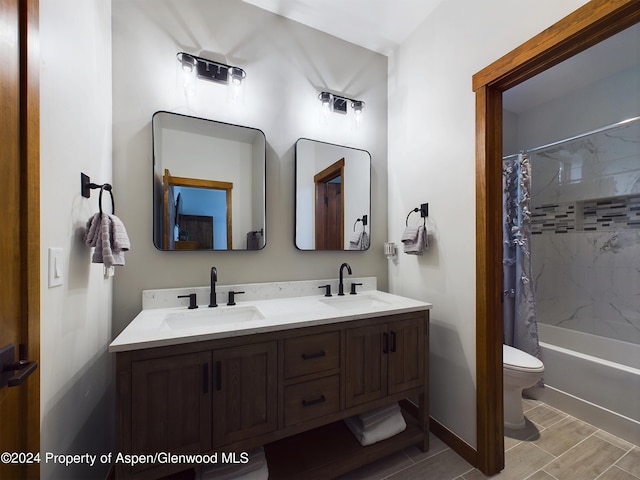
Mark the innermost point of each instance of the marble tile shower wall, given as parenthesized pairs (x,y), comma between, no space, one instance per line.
(586,226)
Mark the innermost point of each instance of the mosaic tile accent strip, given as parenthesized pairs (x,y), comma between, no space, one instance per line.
(603,215)
(559,218)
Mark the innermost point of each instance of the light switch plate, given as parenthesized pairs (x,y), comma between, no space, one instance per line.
(56,278)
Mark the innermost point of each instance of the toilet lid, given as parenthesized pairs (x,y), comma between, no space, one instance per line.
(519,360)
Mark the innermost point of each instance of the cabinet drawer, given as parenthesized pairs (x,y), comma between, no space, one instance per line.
(313,399)
(311,354)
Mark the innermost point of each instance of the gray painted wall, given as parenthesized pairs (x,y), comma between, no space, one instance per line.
(287,64)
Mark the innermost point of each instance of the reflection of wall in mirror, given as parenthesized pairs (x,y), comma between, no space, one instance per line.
(213,158)
(313,157)
(257,188)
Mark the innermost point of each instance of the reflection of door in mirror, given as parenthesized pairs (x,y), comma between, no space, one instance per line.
(329,217)
(209,157)
(193,209)
(333,194)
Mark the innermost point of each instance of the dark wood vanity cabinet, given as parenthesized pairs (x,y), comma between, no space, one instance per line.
(245,400)
(287,390)
(383,359)
(171,404)
(406,351)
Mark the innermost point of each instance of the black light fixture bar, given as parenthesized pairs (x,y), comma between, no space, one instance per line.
(210,70)
(339,103)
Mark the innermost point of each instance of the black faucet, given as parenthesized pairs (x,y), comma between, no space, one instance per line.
(212,293)
(341,286)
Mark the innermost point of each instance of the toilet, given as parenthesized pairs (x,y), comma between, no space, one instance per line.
(520,371)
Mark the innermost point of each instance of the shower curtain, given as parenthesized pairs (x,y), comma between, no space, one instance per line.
(519,312)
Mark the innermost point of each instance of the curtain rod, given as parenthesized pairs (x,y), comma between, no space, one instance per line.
(559,142)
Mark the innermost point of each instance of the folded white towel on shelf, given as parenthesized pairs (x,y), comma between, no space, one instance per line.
(387,428)
(373,417)
(255,469)
(415,240)
(108,236)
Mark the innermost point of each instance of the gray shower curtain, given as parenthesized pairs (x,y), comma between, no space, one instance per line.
(519,315)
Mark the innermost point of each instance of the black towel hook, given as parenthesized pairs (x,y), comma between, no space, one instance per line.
(424,213)
(86,186)
(109,189)
(364,220)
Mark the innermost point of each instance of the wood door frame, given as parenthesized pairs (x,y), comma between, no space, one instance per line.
(23,18)
(587,26)
(213,185)
(30,138)
(334,170)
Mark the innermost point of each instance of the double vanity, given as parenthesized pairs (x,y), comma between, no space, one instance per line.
(280,368)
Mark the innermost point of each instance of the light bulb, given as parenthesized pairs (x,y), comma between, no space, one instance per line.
(326,100)
(186,74)
(235,84)
(357,106)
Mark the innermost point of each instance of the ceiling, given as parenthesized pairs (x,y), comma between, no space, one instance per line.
(383,25)
(378,25)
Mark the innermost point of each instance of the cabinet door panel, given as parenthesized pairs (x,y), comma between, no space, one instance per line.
(171,404)
(245,394)
(366,366)
(406,353)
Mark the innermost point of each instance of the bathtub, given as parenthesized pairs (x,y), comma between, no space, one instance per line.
(595,379)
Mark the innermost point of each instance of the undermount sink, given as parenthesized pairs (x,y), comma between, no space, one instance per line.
(207,317)
(352,302)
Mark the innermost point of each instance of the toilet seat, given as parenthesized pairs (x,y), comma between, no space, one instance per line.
(517,360)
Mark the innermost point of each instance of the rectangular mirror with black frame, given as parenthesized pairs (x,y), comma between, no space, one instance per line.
(333,197)
(208,184)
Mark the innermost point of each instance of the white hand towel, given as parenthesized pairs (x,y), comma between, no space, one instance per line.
(119,235)
(108,236)
(373,417)
(415,240)
(383,430)
(410,235)
(365,241)
(108,255)
(354,240)
(359,241)
(94,236)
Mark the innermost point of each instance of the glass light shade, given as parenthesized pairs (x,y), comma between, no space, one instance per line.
(236,84)
(357,106)
(186,74)
(326,102)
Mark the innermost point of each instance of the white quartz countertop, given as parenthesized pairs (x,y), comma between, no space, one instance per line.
(178,325)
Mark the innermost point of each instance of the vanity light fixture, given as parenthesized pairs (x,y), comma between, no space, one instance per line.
(327,103)
(338,104)
(198,67)
(357,106)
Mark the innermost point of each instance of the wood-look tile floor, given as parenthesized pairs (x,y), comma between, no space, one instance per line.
(553,446)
